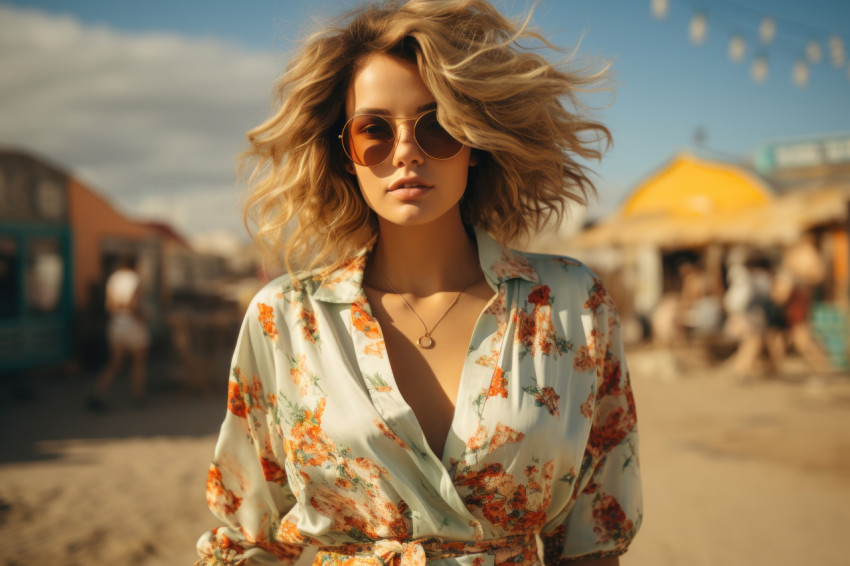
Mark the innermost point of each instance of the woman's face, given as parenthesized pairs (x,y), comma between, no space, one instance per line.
(408,188)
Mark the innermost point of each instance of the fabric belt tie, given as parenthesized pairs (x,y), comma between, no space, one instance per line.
(410,553)
(513,549)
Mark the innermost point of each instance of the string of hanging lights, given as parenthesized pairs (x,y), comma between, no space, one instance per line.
(758,34)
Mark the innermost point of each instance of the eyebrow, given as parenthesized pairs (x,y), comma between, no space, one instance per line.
(383,112)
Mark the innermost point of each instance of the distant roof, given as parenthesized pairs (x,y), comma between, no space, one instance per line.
(689,185)
(167,231)
(25,155)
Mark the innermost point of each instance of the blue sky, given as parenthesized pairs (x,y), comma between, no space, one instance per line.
(666,86)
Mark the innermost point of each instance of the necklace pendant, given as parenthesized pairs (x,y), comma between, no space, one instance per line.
(425,341)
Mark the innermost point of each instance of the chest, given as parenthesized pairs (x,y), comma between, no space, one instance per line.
(429,378)
(514,373)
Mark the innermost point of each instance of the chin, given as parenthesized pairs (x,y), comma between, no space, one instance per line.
(413,216)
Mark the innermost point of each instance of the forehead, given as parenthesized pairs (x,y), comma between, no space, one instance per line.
(387,83)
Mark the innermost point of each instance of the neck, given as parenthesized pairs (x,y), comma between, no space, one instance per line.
(426,259)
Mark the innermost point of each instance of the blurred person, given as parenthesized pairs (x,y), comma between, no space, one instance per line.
(665,322)
(426,393)
(760,326)
(127,333)
(699,312)
(805,271)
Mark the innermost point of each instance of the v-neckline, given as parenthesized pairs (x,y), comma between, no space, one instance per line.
(463,384)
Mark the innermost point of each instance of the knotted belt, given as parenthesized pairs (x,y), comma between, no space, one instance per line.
(514,549)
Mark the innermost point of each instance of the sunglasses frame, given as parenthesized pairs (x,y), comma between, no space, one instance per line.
(392,120)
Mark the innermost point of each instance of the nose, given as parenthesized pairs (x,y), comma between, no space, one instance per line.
(407,151)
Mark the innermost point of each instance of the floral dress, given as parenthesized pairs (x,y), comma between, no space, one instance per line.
(319,448)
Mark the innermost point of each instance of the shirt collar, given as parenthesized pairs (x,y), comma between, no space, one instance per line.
(345,284)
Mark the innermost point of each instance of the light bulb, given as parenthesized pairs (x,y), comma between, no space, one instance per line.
(659,9)
(800,74)
(813,52)
(767,30)
(737,48)
(758,71)
(699,28)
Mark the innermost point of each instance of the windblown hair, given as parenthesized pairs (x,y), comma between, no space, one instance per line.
(520,113)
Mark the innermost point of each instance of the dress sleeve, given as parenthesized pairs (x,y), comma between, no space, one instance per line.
(247,487)
(608,506)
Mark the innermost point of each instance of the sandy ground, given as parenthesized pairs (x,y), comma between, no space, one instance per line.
(736,472)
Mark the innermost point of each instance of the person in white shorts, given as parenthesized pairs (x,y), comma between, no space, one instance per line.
(127,333)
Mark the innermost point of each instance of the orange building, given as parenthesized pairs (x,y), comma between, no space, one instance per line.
(59,241)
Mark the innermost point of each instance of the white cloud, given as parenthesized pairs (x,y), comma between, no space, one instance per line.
(153,121)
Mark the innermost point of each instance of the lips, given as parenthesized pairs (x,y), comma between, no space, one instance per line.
(408,183)
(409,188)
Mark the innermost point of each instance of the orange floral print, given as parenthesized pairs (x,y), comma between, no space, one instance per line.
(535,331)
(597,296)
(583,360)
(266,318)
(490,360)
(375,348)
(611,522)
(272,471)
(540,295)
(587,407)
(515,468)
(513,265)
(386,431)
(361,522)
(611,378)
(363,322)
(503,436)
(307,444)
(617,424)
(525,329)
(502,500)
(376,383)
(301,376)
(298,373)
(544,397)
(220,550)
(283,552)
(478,438)
(235,400)
(309,327)
(288,531)
(351,268)
(219,498)
(499,384)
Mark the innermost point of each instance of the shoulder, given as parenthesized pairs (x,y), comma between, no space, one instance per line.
(559,270)
(274,291)
(284,291)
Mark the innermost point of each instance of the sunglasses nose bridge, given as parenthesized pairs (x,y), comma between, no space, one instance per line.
(405,127)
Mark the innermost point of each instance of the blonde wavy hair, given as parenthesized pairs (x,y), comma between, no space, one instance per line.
(519,112)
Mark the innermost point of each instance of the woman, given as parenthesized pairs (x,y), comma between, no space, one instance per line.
(127,333)
(431,394)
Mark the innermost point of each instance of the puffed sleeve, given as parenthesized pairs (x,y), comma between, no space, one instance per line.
(247,487)
(608,506)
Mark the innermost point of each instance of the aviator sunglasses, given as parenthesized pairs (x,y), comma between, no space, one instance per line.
(369,139)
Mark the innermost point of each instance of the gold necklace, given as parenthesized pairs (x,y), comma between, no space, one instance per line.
(425,341)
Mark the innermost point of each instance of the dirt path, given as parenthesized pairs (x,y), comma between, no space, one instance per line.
(743,473)
(753,473)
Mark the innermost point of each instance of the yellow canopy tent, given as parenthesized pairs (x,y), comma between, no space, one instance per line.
(684,204)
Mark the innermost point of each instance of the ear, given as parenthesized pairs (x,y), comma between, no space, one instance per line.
(349,166)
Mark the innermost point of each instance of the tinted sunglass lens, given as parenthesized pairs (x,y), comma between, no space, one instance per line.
(368,139)
(433,139)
